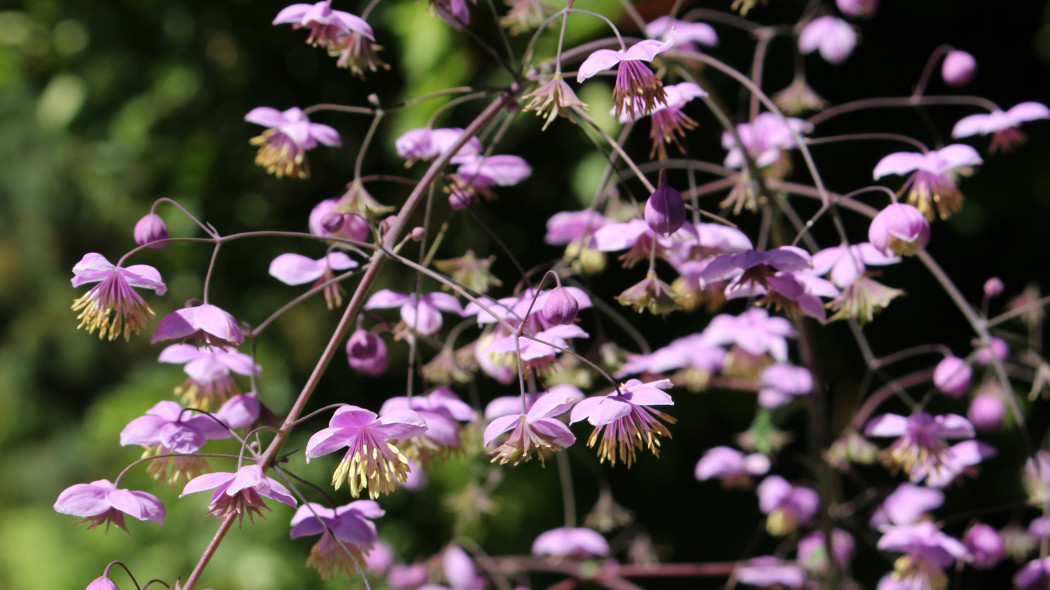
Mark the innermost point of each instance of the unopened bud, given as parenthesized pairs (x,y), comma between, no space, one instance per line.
(150,228)
(332,222)
(560,307)
(366,353)
(952,376)
(993,287)
(958,68)
(665,210)
(418,234)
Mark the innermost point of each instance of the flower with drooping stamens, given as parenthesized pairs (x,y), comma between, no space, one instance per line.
(555,98)
(102,502)
(665,210)
(920,445)
(296,269)
(1002,125)
(686,34)
(637,89)
(205,324)
(625,421)
(371,461)
(668,121)
(932,182)
(112,306)
(283,147)
(240,493)
(347,533)
(208,369)
(533,434)
(327,26)
(420,313)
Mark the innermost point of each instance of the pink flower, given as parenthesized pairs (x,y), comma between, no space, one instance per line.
(987,411)
(634,81)
(960,459)
(770,572)
(296,269)
(347,533)
(441,411)
(112,307)
(848,263)
(958,68)
(535,433)
(1002,125)
(985,544)
(371,461)
(753,332)
(665,210)
(928,551)
(576,542)
(420,313)
(102,502)
(901,229)
(240,493)
(206,324)
(731,466)
(208,369)
(627,420)
(781,382)
(560,308)
(426,144)
(952,376)
(857,8)
(685,34)
(477,175)
(834,37)
(932,180)
(920,447)
(908,504)
(283,147)
(764,140)
(327,27)
(693,352)
(787,506)
(813,553)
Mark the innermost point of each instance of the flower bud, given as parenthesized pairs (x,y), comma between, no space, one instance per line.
(993,287)
(665,210)
(150,229)
(327,219)
(952,376)
(417,234)
(560,307)
(986,412)
(366,353)
(332,222)
(958,68)
(985,545)
(857,8)
(901,229)
(998,348)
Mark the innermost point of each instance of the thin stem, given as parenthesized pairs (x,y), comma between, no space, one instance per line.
(209,551)
(365,143)
(616,146)
(905,101)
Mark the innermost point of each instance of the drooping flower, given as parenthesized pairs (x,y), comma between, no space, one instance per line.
(732,467)
(958,68)
(205,324)
(1002,125)
(927,553)
(560,308)
(366,353)
(151,230)
(650,294)
(833,37)
(932,182)
(901,229)
(283,147)
(960,459)
(685,34)
(112,306)
(781,382)
(296,269)
(985,544)
(336,218)
(787,507)
(576,542)
(847,263)
(327,26)
(347,533)
(756,338)
(357,52)
(208,369)
(426,143)
(102,502)
(371,461)
(524,15)
(908,504)
(637,89)
(697,358)
(420,313)
(240,493)
(625,420)
(477,175)
(665,210)
(765,141)
(555,98)
(442,411)
(798,98)
(669,123)
(857,8)
(770,572)
(920,446)
(535,433)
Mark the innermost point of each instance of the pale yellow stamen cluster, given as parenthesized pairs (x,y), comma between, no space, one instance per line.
(280,156)
(627,435)
(110,321)
(369,467)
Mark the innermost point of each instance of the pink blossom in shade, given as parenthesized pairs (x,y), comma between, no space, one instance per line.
(730,466)
(1002,125)
(327,26)
(927,551)
(634,80)
(985,545)
(669,123)
(753,331)
(847,263)
(1035,575)
(570,226)
(535,433)
(577,542)
(101,583)
(952,376)
(958,68)
(455,12)
(426,144)
(208,369)
(101,502)
(960,459)
(764,140)
(421,313)
(283,147)
(781,382)
(328,220)
(900,229)
(625,420)
(296,269)
(441,410)
(993,287)
(920,446)
(240,493)
(459,570)
(480,173)
(908,504)
(665,210)
(813,552)
(987,411)
(997,348)
(347,534)
(787,507)
(112,306)
(205,324)
(692,352)
(857,8)
(833,37)
(770,572)
(379,559)
(931,183)
(371,461)
(685,34)
(151,230)
(366,353)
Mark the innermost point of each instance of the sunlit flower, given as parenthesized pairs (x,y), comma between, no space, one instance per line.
(347,533)
(327,26)
(932,182)
(240,493)
(102,502)
(553,99)
(112,306)
(685,34)
(634,80)
(283,147)
(669,123)
(208,369)
(205,324)
(426,144)
(420,313)
(296,269)
(535,433)
(478,174)
(1002,125)
(625,421)
(442,411)
(371,461)
(920,446)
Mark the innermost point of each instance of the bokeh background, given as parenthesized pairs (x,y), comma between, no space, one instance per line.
(108,105)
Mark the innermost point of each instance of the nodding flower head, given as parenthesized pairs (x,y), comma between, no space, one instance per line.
(626,421)
(112,306)
(283,147)
(327,27)
(932,181)
(637,89)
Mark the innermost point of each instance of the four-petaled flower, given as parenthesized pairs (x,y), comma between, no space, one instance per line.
(327,27)
(371,461)
(296,269)
(208,368)
(240,493)
(535,433)
(420,313)
(1003,125)
(635,82)
(347,533)
(112,306)
(206,324)
(102,502)
(625,420)
(283,147)
(932,184)
(920,447)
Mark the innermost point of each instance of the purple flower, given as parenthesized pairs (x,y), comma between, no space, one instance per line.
(371,461)
(907,504)
(569,226)
(347,533)
(1035,575)
(731,466)
(684,34)
(669,123)
(958,68)
(932,180)
(327,27)
(628,421)
(770,572)
(857,8)
(206,324)
(459,570)
(480,173)
(535,433)
(112,306)
(560,308)
(958,460)
(769,273)
(1002,125)
(240,493)
(511,404)
(700,358)
(753,335)
(151,228)
(420,313)
(901,229)
(985,544)
(441,410)
(987,411)
(576,542)
(454,12)
(366,353)
(920,446)
(782,381)
(764,140)
(426,144)
(209,369)
(296,269)
(787,506)
(102,502)
(927,551)
(538,349)
(834,37)
(634,80)
(665,210)
(848,263)
(283,147)
(813,553)
(952,376)
(997,349)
